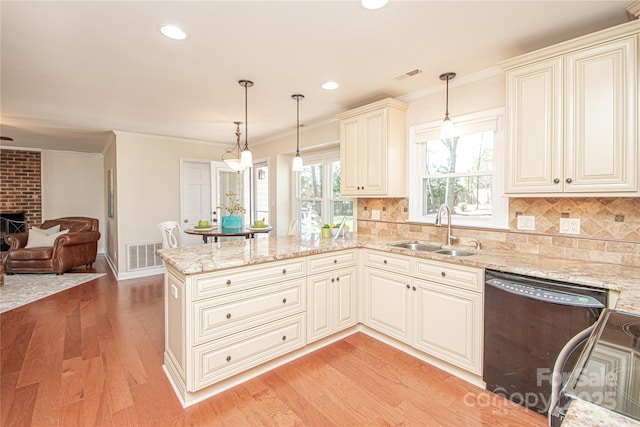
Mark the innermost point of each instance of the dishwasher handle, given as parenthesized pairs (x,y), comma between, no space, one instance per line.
(544,294)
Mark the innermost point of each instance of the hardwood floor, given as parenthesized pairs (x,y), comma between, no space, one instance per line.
(92,356)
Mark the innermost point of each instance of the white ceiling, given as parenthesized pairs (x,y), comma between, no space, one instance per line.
(73,71)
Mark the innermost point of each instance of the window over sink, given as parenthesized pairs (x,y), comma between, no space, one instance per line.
(465,171)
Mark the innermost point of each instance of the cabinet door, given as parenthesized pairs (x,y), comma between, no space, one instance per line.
(345,299)
(387,303)
(373,166)
(319,306)
(601,136)
(349,150)
(448,324)
(534,123)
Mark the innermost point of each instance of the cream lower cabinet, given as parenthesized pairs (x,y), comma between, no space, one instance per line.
(223,323)
(448,324)
(331,294)
(441,316)
(387,303)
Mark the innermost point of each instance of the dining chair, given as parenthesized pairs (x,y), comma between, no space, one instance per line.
(171,234)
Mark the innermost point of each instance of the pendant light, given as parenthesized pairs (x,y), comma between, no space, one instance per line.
(232,157)
(446,129)
(246,158)
(296,165)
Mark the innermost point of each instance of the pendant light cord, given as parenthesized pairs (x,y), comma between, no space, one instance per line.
(246,126)
(298,126)
(446,113)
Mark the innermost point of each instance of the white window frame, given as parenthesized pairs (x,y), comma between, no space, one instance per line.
(466,124)
(325,159)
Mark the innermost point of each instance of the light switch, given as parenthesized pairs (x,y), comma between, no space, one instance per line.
(526,222)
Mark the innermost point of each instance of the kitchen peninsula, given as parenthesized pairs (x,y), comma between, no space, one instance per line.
(234,310)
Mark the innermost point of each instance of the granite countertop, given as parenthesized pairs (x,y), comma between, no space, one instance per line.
(623,279)
(218,256)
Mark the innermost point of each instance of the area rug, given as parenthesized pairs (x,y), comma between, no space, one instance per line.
(21,289)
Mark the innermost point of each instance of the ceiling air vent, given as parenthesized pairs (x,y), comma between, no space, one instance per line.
(411,73)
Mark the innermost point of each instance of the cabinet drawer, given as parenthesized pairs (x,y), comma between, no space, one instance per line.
(331,261)
(389,262)
(213,284)
(451,274)
(228,314)
(232,355)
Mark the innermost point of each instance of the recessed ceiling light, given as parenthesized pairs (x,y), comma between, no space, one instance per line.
(173,32)
(329,85)
(373,4)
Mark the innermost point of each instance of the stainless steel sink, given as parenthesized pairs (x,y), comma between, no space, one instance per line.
(455,252)
(417,246)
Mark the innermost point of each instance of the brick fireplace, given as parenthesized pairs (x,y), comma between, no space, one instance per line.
(21,184)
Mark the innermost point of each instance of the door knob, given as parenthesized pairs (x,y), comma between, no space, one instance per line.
(186,221)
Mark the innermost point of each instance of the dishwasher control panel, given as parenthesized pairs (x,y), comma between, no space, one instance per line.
(543,294)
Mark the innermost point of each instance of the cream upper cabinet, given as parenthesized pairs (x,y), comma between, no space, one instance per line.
(372,150)
(572,117)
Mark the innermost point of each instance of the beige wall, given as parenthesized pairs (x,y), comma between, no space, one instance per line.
(148,184)
(73,185)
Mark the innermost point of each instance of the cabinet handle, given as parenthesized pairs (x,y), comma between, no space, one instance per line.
(443,274)
(284,338)
(408,287)
(385,261)
(228,358)
(228,282)
(284,271)
(569,180)
(228,315)
(284,300)
(556,180)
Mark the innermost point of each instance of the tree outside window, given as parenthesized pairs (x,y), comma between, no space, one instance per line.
(318,196)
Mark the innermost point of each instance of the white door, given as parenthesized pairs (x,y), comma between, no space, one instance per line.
(196,198)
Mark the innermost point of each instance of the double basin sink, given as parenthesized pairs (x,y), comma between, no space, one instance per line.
(432,247)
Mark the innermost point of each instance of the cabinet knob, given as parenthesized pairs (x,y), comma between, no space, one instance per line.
(335,261)
(408,286)
(284,271)
(414,288)
(284,338)
(556,180)
(228,282)
(228,358)
(228,315)
(443,274)
(337,279)
(333,280)
(385,261)
(284,300)
(569,180)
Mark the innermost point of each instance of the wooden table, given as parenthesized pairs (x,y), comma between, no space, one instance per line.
(216,232)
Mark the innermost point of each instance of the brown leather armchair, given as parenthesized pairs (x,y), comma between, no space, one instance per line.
(76,248)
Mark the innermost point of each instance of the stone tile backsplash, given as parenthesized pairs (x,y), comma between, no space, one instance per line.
(609,227)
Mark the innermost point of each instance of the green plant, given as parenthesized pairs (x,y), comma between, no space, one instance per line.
(233,207)
(326,226)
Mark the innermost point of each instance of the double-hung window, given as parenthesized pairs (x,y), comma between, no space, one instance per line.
(317,195)
(464,172)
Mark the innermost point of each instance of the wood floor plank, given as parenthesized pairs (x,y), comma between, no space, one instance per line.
(93,355)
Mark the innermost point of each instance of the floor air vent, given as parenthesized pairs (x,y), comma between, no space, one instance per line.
(143,255)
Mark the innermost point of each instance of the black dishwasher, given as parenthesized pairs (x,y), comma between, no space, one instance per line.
(527,321)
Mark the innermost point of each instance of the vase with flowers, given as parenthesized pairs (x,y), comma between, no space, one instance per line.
(232,222)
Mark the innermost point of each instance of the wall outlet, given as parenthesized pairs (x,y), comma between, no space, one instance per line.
(570,225)
(526,222)
(375,214)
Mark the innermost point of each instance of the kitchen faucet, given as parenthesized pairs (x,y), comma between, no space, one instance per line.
(442,207)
